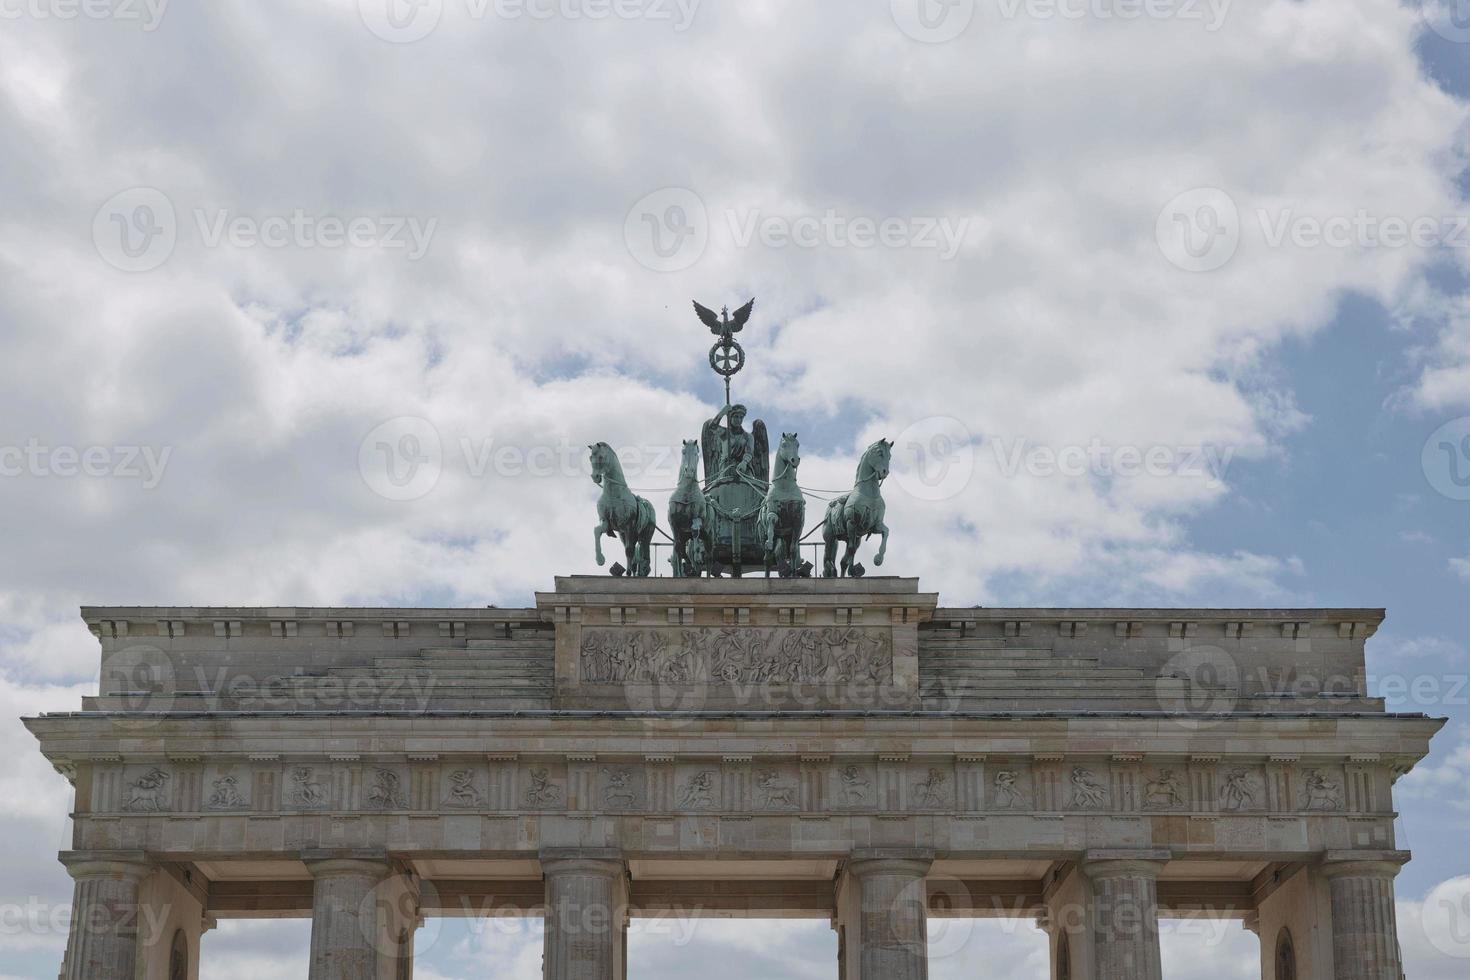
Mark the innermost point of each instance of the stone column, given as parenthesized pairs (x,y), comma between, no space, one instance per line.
(351,935)
(103,943)
(1365,942)
(882,915)
(1125,913)
(586,914)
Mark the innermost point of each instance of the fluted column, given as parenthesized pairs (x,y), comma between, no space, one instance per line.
(1365,942)
(1125,914)
(347,941)
(586,914)
(103,942)
(882,913)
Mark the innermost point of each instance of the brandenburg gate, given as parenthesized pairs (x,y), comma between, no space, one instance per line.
(835,746)
(842,749)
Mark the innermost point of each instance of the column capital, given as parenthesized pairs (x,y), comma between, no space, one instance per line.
(364,862)
(890,860)
(1363,864)
(607,861)
(135,865)
(1120,863)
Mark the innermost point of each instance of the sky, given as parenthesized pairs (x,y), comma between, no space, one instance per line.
(321,302)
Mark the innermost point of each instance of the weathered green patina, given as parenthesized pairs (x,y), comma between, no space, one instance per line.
(740,517)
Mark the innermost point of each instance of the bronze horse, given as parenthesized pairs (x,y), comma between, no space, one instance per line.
(858,513)
(783,514)
(689,522)
(621,513)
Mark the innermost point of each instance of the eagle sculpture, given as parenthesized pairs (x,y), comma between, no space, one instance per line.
(722,324)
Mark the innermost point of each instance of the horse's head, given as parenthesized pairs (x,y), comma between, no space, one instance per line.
(789,451)
(689,463)
(876,461)
(604,462)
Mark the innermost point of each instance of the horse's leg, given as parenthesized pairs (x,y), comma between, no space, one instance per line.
(597,534)
(849,554)
(829,553)
(645,545)
(677,558)
(882,548)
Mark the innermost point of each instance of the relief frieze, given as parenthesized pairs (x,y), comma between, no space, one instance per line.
(735,787)
(775,655)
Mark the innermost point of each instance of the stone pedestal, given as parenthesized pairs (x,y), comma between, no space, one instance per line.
(882,916)
(1125,914)
(360,926)
(106,921)
(586,915)
(1365,942)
